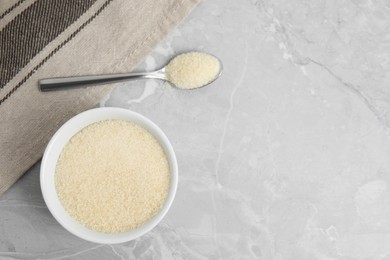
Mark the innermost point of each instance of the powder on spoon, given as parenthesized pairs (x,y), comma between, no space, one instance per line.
(112,176)
(193,70)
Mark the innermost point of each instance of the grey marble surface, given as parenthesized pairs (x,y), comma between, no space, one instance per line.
(286,156)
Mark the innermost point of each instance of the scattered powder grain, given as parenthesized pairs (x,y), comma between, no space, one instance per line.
(112,176)
(193,70)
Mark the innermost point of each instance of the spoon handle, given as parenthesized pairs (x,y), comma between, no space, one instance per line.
(83,81)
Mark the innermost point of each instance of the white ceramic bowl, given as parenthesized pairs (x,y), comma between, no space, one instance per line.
(53,151)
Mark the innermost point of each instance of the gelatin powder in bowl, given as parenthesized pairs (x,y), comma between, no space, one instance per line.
(112,176)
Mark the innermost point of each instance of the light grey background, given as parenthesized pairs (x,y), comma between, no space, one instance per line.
(286,156)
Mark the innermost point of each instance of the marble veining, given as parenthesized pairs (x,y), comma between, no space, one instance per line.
(286,156)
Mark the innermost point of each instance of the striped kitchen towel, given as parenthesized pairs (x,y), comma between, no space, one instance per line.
(53,38)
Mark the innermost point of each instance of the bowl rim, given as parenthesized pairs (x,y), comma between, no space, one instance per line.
(101,114)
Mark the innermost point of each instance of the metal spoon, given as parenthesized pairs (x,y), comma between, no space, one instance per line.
(63,83)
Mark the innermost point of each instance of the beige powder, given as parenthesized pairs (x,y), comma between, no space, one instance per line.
(112,176)
(193,70)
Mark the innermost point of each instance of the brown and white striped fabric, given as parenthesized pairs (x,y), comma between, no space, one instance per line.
(53,38)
